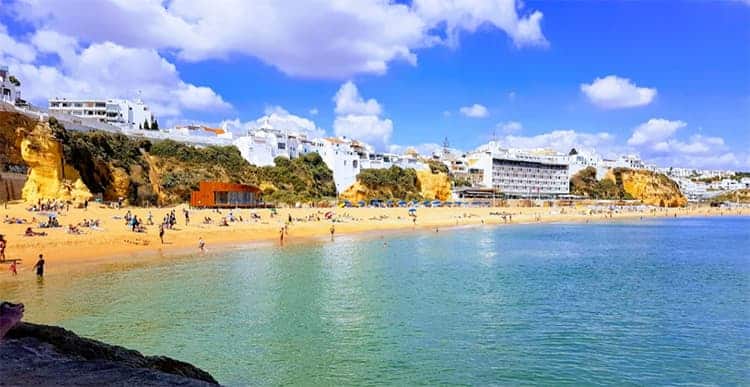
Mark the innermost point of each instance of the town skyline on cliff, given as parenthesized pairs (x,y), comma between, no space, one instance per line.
(531,75)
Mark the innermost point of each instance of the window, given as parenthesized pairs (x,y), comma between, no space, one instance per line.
(282,145)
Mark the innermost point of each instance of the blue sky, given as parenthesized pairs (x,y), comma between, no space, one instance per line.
(667,80)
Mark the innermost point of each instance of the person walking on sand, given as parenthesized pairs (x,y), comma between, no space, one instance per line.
(3,243)
(161,233)
(39,266)
(201,244)
(333,230)
(13,269)
(281,236)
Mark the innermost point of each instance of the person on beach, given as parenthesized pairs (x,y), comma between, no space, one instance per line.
(10,316)
(333,230)
(13,269)
(281,236)
(201,244)
(3,243)
(39,266)
(161,233)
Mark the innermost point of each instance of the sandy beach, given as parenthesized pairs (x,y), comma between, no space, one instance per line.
(113,240)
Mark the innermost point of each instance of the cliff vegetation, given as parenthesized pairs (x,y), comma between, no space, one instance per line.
(737,196)
(621,183)
(399,184)
(71,165)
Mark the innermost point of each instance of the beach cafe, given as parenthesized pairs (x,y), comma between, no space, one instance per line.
(226,195)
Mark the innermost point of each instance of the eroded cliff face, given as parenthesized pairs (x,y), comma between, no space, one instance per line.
(49,177)
(434,186)
(738,196)
(651,188)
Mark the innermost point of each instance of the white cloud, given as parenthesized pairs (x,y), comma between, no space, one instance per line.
(656,140)
(654,131)
(447,113)
(10,48)
(315,38)
(51,42)
(561,141)
(612,92)
(277,118)
(424,149)
(469,15)
(360,119)
(370,129)
(313,111)
(474,111)
(510,127)
(105,70)
(348,101)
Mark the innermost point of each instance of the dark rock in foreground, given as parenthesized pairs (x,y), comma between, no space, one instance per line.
(33,354)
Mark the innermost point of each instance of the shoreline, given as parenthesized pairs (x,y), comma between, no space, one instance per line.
(113,245)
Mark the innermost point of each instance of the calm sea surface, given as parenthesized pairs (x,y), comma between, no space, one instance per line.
(635,302)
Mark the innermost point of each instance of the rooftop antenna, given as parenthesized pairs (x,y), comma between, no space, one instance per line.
(446,145)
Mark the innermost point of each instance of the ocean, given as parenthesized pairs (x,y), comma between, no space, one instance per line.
(654,302)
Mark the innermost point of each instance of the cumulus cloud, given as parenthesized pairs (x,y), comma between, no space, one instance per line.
(613,92)
(469,15)
(370,129)
(348,101)
(561,141)
(316,38)
(359,118)
(474,111)
(104,70)
(275,117)
(654,131)
(424,149)
(510,127)
(657,140)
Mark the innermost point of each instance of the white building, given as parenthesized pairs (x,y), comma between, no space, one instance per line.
(119,112)
(9,92)
(582,160)
(521,173)
(262,145)
(692,190)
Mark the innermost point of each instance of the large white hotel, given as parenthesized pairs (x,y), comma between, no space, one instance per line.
(519,174)
(119,112)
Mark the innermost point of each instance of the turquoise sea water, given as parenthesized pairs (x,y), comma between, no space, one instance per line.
(636,302)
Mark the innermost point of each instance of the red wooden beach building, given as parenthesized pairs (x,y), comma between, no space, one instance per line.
(212,194)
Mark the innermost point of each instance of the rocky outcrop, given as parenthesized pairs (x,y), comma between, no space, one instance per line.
(398,183)
(32,354)
(71,165)
(737,196)
(651,188)
(50,177)
(434,186)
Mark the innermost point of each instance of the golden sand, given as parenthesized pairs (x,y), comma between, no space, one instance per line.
(115,242)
